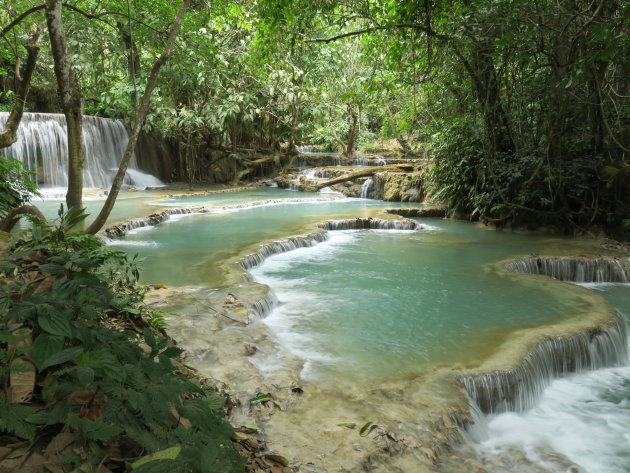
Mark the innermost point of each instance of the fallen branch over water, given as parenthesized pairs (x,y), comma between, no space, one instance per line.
(363,173)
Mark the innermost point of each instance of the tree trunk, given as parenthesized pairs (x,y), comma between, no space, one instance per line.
(489,98)
(354,130)
(133,58)
(70,96)
(11,219)
(138,121)
(8,136)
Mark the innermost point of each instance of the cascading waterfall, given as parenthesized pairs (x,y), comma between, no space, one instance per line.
(371,223)
(575,269)
(520,388)
(369,161)
(366,188)
(42,147)
(282,246)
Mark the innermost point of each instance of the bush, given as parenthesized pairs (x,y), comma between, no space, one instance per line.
(16,187)
(71,331)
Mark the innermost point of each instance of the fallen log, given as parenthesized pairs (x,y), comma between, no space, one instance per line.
(363,173)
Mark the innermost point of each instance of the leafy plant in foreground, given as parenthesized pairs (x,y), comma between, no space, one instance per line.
(71,331)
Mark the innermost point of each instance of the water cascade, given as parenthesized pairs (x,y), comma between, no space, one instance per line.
(520,389)
(369,161)
(575,269)
(371,223)
(283,246)
(42,147)
(366,187)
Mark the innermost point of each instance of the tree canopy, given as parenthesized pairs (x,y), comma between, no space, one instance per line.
(521,107)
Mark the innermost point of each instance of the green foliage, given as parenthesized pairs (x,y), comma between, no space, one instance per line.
(16,186)
(98,382)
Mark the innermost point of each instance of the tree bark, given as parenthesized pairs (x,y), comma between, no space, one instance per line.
(8,136)
(11,219)
(364,173)
(138,121)
(70,96)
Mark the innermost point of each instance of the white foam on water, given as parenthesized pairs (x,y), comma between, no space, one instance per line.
(142,180)
(429,228)
(328,190)
(297,303)
(132,243)
(585,418)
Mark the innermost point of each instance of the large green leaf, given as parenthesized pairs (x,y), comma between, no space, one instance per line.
(45,346)
(61,357)
(55,324)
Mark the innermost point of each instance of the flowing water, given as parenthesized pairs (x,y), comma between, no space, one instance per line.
(42,147)
(367,306)
(363,308)
(582,420)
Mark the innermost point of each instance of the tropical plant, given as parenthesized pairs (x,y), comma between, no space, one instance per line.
(79,358)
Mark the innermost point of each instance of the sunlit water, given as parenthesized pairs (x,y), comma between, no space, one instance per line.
(380,304)
(370,304)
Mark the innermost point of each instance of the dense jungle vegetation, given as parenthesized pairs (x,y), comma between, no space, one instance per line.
(521,107)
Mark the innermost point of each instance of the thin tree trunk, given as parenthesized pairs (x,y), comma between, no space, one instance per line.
(8,136)
(354,131)
(70,96)
(138,121)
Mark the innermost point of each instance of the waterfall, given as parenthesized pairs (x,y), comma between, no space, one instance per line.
(42,147)
(520,388)
(579,269)
(366,187)
(369,161)
(371,223)
(282,246)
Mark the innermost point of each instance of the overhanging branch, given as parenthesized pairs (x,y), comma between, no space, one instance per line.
(92,16)
(428,31)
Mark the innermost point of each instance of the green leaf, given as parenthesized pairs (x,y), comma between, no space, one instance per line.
(172,352)
(216,402)
(366,429)
(347,426)
(55,324)
(149,338)
(259,399)
(52,268)
(37,418)
(85,375)
(61,357)
(170,453)
(99,430)
(45,346)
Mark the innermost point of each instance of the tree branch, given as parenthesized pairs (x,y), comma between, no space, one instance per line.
(8,136)
(19,19)
(92,16)
(429,32)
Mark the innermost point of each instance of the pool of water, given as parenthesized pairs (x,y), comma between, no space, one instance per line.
(370,304)
(185,249)
(367,306)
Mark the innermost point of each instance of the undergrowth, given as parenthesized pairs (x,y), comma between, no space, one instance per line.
(78,358)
